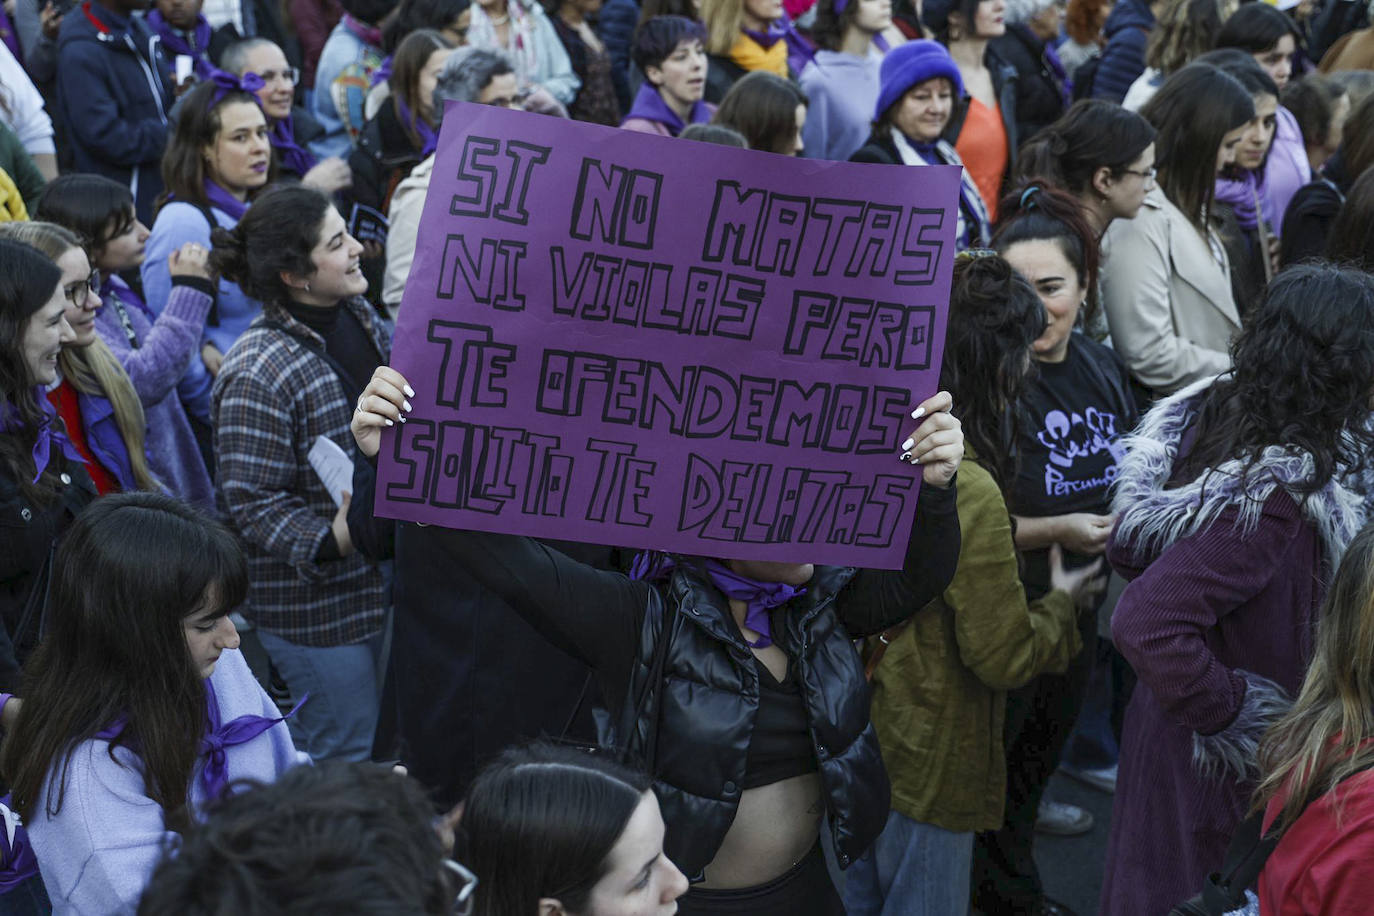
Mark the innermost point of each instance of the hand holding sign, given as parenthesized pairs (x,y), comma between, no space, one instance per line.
(604,342)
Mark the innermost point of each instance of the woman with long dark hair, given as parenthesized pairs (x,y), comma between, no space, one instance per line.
(139,709)
(768,110)
(558,830)
(294,376)
(1071,416)
(43,483)
(1232,519)
(404,131)
(218,157)
(777,740)
(1167,287)
(153,347)
(1099,152)
(940,682)
(1314,787)
(97,402)
(842,80)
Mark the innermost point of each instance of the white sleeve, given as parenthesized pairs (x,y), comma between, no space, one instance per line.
(23,108)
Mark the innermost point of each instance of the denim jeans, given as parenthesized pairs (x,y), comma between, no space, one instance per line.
(344,683)
(913,869)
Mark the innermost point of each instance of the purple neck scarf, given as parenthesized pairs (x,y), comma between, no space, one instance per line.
(48,433)
(291,155)
(383,72)
(367,34)
(8,35)
(799,50)
(429,140)
(649,106)
(1240,194)
(218,738)
(1061,75)
(759,597)
(223,200)
(176,43)
(17,861)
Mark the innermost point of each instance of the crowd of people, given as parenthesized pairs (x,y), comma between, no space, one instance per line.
(228,688)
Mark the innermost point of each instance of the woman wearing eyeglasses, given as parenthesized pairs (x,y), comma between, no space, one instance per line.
(97,403)
(291,128)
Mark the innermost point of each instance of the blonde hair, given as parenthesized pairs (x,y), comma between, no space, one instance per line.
(1323,738)
(723,19)
(94,370)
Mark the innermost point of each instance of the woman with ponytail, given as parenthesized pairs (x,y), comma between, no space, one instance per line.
(43,484)
(940,681)
(103,416)
(293,377)
(1070,418)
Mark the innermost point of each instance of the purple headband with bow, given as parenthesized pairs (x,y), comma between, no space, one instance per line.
(226,83)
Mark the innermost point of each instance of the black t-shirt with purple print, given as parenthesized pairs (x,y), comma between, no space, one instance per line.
(1073,415)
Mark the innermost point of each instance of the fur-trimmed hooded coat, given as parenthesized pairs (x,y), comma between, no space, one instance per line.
(1226,577)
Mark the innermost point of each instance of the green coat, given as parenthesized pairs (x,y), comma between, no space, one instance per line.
(939,693)
(19,165)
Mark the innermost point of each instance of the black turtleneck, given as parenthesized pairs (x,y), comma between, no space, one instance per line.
(345,339)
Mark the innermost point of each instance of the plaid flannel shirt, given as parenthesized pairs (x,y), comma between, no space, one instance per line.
(273,397)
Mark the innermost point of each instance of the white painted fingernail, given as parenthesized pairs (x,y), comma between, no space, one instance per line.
(405,405)
(389,423)
(906,446)
(906,456)
(403,419)
(918,413)
(410,392)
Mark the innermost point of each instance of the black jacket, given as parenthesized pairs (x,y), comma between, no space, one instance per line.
(28,536)
(711,681)
(1039,92)
(1004,84)
(383,158)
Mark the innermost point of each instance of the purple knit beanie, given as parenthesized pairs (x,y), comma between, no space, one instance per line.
(912,63)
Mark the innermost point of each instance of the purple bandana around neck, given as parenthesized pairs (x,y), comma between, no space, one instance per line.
(383,72)
(48,433)
(367,34)
(17,861)
(292,156)
(221,199)
(175,42)
(429,140)
(799,50)
(649,106)
(1240,194)
(759,597)
(218,738)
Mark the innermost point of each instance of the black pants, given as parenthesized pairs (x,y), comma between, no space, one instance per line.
(1040,718)
(803,890)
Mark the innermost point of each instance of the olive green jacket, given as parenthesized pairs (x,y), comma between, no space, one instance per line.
(939,693)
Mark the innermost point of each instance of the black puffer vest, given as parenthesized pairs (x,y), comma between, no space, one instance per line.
(709,701)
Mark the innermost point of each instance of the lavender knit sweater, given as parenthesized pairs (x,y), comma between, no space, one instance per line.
(165,348)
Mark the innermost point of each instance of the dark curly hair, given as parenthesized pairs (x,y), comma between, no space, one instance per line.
(340,838)
(276,235)
(994,317)
(1302,379)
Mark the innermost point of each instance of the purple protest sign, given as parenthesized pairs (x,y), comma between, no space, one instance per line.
(632,340)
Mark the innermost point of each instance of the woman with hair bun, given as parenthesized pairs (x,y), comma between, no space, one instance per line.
(293,377)
(940,681)
(1232,519)
(1072,415)
(560,831)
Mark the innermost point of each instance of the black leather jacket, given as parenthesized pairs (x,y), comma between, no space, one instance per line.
(707,710)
